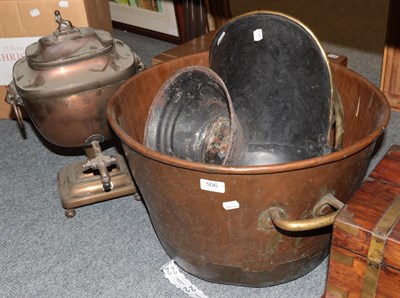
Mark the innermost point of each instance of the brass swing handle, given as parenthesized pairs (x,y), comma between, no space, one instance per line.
(276,216)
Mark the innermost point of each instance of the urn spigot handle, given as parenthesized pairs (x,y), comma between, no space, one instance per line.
(101,162)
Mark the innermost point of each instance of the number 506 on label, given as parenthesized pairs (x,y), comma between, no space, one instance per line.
(214,186)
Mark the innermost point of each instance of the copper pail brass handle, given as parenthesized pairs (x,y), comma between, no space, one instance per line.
(276,216)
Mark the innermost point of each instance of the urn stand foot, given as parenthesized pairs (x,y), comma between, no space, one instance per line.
(70,213)
(137,196)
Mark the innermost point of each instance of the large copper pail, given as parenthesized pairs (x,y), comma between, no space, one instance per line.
(211,219)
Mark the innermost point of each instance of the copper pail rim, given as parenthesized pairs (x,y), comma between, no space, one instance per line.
(344,153)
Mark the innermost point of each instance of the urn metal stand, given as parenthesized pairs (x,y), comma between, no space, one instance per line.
(97,179)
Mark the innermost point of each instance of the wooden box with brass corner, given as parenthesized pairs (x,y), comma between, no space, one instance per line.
(64,82)
(365,252)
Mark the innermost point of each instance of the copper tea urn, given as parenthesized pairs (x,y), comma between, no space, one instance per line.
(64,82)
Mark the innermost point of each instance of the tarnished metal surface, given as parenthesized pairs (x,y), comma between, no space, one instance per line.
(227,245)
(79,188)
(278,77)
(64,82)
(192,118)
(66,79)
(276,217)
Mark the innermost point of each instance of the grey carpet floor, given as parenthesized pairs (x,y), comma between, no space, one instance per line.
(109,249)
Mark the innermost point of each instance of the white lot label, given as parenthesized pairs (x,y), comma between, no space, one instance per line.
(34,12)
(63,4)
(333,56)
(230,205)
(257,35)
(214,186)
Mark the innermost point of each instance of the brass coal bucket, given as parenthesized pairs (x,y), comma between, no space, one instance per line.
(216,221)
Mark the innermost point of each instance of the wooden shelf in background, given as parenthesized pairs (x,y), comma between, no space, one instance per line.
(390,80)
(203,42)
(196,45)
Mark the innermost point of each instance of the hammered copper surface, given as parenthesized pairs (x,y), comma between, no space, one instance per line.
(229,246)
(66,79)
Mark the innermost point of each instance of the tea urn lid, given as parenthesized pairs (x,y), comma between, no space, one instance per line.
(73,60)
(68,44)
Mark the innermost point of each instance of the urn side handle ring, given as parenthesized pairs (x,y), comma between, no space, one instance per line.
(276,217)
(15,101)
